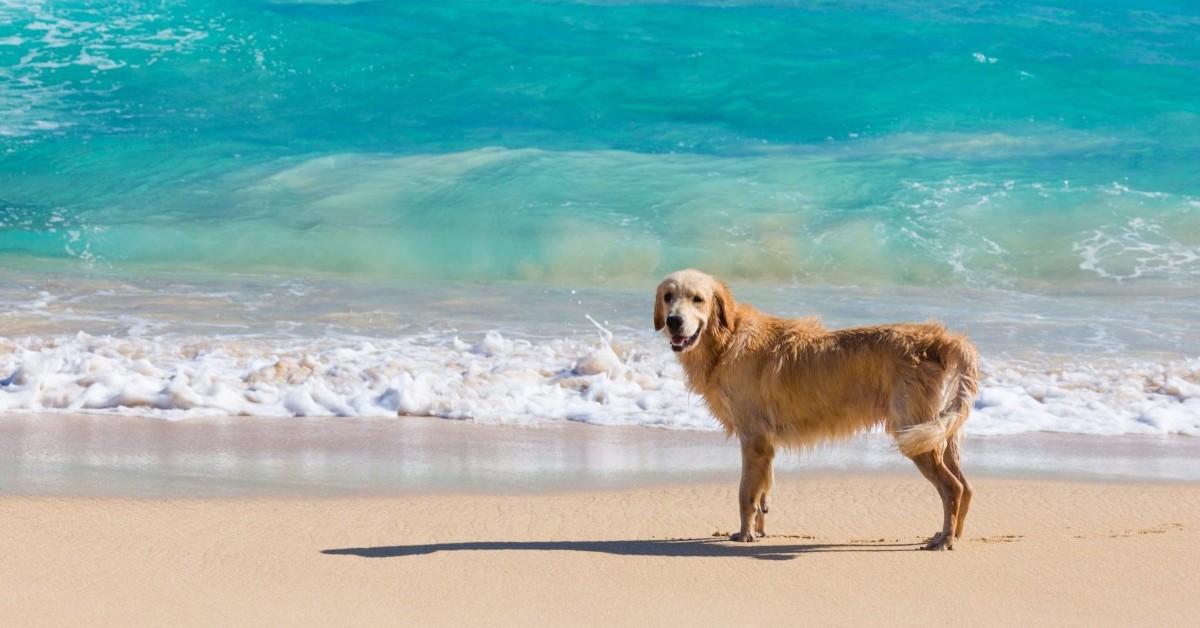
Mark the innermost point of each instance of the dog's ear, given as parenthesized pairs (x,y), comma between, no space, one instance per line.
(660,310)
(723,304)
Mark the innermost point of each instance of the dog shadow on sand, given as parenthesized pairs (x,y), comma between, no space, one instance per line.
(675,548)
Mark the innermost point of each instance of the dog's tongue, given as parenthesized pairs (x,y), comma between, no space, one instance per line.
(678,341)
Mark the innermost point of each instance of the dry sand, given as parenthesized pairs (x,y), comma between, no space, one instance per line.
(842,553)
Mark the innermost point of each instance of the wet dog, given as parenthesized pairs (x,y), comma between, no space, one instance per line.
(775,382)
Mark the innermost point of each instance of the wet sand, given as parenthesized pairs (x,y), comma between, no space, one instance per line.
(98,455)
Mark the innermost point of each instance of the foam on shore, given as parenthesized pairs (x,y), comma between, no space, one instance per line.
(601,378)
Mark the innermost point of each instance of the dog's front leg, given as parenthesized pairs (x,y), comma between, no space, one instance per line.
(757,455)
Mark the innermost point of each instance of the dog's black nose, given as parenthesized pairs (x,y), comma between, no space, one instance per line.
(674,322)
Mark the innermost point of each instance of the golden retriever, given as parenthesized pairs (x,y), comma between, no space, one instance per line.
(793,383)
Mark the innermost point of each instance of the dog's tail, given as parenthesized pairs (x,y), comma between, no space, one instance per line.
(960,385)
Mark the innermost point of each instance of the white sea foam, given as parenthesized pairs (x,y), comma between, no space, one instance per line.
(609,379)
(1090,398)
(1139,248)
(490,379)
(524,353)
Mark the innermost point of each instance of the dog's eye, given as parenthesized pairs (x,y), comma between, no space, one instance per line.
(667,297)
(697,300)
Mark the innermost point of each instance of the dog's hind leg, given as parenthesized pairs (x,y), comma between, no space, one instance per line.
(951,460)
(951,491)
(757,455)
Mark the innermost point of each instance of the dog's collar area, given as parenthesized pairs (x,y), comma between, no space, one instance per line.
(680,343)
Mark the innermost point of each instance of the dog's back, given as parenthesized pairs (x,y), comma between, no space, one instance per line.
(811,384)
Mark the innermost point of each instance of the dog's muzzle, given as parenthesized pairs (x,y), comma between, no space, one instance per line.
(681,343)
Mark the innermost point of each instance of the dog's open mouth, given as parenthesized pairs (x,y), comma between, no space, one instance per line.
(680,343)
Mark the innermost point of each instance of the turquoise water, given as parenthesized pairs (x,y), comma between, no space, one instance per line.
(460,209)
(1037,146)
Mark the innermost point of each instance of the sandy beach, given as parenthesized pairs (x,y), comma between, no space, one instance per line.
(629,550)
(843,553)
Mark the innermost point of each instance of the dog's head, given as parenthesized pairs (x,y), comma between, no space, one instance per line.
(689,303)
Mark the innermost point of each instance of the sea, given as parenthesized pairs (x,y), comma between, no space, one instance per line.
(460,209)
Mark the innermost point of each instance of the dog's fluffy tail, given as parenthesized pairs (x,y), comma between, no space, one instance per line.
(960,385)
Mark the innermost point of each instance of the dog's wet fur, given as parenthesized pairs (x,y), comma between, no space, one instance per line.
(775,382)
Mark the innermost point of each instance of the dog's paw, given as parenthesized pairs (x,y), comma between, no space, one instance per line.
(940,542)
(742,537)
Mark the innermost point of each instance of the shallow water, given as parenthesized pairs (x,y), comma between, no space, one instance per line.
(223,457)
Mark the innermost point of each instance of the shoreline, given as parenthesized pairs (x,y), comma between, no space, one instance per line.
(116,456)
